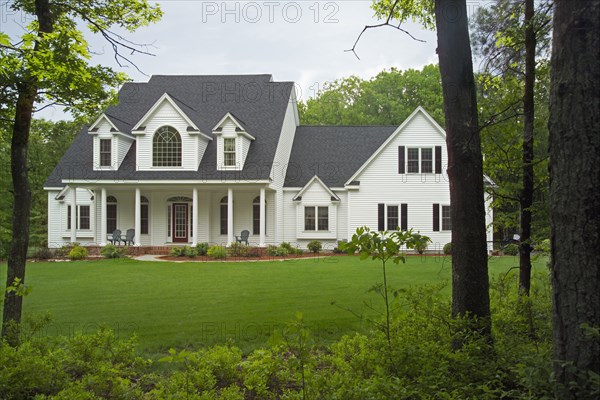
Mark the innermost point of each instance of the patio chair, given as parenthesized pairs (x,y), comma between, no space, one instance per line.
(128,239)
(243,238)
(115,237)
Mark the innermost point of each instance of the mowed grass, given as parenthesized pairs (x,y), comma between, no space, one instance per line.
(195,304)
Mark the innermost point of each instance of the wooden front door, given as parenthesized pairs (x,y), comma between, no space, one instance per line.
(180,223)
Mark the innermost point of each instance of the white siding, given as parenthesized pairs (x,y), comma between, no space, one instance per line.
(167,115)
(58,234)
(380,182)
(280,163)
(243,147)
(55,239)
(122,145)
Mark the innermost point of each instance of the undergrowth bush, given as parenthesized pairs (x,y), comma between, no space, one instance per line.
(239,250)
(419,363)
(511,249)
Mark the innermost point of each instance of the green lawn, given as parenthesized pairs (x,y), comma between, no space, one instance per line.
(177,304)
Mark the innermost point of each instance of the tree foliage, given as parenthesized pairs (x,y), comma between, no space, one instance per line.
(50,63)
(386,99)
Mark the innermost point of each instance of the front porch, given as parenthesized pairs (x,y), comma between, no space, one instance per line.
(167,215)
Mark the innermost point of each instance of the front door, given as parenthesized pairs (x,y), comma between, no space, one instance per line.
(180,223)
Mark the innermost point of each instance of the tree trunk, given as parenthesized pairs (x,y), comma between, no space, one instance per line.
(526,197)
(470,284)
(574,193)
(13,301)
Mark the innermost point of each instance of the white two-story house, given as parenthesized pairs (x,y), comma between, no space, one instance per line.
(190,159)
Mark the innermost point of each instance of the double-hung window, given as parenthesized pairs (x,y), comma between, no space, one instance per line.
(82,216)
(229,152)
(316,218)
(105,152)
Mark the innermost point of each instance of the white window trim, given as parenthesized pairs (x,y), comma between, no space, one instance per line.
(442,218)
(385,215)
(316,207)
(420,159)
(235,152)
(78,214)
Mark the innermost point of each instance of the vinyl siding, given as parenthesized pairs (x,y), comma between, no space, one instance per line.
(58,234)
(122,145)
(380,182)
(167,115)
(280,164)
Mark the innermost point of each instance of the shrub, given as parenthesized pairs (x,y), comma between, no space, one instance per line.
(78,253)
(314,246)
(202,248)
(277,251)
(64,250)
(189,251)
(239,250)
(217,252)
(420,248)
(177,252)
(43,253)
(511,249)
(111,251)
(290,249)
(340,245)
(448,248)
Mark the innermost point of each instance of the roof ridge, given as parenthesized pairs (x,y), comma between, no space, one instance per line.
(349,126)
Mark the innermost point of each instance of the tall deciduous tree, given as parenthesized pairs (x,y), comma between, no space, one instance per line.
(51,62)
(470,282)
(574,195)
(509,35)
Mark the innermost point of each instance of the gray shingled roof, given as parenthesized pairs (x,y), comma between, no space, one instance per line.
(334,153)
(258,101)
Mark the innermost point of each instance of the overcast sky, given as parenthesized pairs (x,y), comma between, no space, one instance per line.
(300,41)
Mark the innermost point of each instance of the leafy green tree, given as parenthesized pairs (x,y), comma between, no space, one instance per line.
(509,35)
(50,63)
(386,99)
(470,283)
(384,246)
(48,142)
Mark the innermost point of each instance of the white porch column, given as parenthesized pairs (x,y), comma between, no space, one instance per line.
(262,217)
(73,214)
(103,218)
(195,216)
(138,217)
(229,216)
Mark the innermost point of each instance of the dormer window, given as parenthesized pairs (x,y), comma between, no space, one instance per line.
(229,152)
(166,148)
(105,152)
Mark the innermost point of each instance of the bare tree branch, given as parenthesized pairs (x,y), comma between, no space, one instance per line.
(386,23)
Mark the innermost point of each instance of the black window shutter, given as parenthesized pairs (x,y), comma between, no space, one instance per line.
(381,217)
(438,159)
(404,217)
(436,217)
(401,162)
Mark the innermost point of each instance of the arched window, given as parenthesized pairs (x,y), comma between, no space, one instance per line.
(166,148)
(256,216)
(223,208)
(111,214)
(144,213)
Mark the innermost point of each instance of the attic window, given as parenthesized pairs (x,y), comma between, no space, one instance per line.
(105,152)
(229,152)
(166,148)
